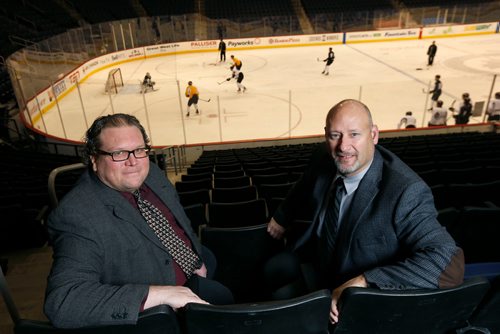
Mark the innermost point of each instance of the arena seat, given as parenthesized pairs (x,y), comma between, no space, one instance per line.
(231,195)
(237,214)
(429,311)
(159,319)
(232,182)
(182,186)
(307,314)
(241,253)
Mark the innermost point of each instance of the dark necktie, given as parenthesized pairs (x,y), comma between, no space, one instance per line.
(182,254)
(331,220)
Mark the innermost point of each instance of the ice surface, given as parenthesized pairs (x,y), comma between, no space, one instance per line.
(286,93)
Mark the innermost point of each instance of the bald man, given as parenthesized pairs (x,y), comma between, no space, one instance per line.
(384,233)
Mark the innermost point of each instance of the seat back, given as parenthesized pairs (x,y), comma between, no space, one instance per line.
(487,314)
(230,173)
(55,192)
(270,191)
(237,214)
(183,186)
(231,195)
(200,196)
(197,214)
(241,254)
(430,311)
(230,166)
(200,170)
(279,178)
(195,177)
(158,319)
(232,182)
(303,315)
(476,231)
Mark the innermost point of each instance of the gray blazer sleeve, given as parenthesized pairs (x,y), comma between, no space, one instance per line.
(77,294)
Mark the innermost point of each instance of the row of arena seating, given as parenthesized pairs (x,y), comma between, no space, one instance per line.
(461,169)
(227,9)
(24,200)
(241,187)
(432,312)
(314,7)
(223,185)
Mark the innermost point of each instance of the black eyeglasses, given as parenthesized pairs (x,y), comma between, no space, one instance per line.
(139,153)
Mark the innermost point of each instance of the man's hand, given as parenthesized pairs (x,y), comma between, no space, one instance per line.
(275,230)
(202,271)
(358,281)
(174,296)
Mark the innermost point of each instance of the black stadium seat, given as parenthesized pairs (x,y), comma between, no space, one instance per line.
(307,314)
(429,311)
(231,195)
(237,214)
(241,254)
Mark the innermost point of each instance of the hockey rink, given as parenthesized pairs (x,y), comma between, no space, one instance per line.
(287,96)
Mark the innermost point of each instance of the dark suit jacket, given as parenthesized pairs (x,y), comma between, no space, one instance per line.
(105,254)
(390,233)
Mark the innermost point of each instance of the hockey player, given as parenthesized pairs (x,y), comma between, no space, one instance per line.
(439,115)
(436,92)
(238,76)
(193,95)
(329,60)
(493,110)
(464,111)
(236,62)
(408,121)
(465,96)
(147,83)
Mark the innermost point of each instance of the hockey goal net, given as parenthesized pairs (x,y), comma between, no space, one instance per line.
(114,81)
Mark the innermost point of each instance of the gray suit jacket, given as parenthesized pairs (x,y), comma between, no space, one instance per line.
(390,233)
(105,254)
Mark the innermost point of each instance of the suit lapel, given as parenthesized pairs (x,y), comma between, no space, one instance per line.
(322,186)
(122,210)
(366,192)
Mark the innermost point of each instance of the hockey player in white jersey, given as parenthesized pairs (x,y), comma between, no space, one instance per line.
(238,76)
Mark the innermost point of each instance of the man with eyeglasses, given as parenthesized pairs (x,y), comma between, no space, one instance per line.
(110,261)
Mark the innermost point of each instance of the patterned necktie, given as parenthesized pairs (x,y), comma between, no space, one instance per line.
(331,220)
(182,254)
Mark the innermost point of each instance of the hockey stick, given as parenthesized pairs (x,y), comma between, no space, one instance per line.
(451,108)
(317,59)
(423,91)
(220,83)
(204,100)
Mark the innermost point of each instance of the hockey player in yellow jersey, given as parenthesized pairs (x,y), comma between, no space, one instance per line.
(236,62)
(193,95)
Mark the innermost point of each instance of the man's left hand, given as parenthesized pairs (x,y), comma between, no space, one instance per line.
(202,271)
(358,281)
